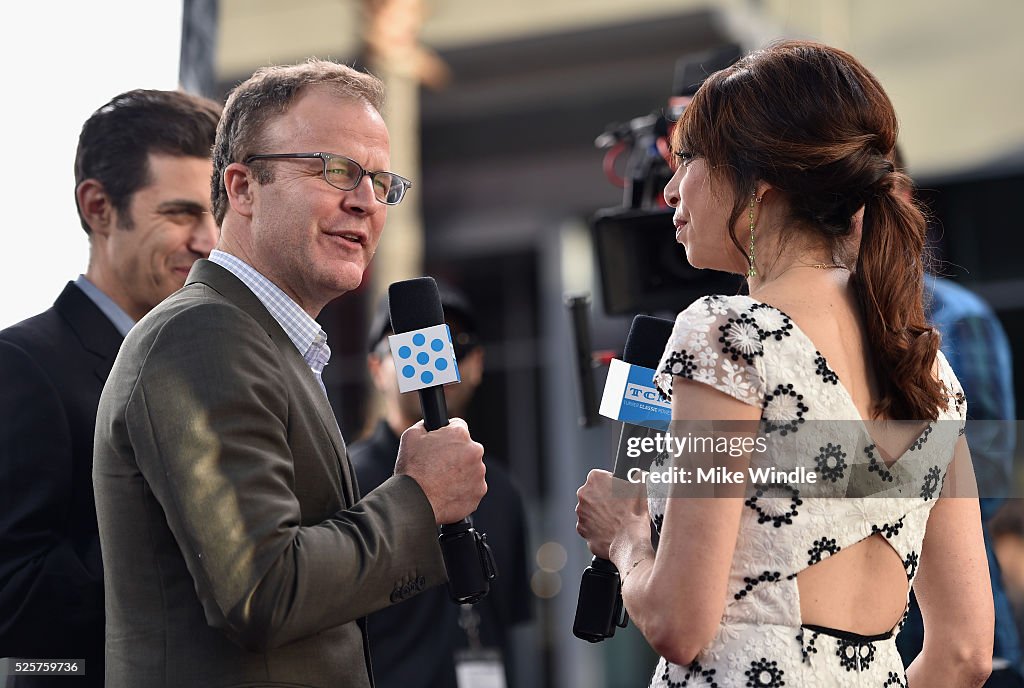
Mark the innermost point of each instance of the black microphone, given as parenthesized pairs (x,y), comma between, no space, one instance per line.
(415,304)
(579,310)
(599,607)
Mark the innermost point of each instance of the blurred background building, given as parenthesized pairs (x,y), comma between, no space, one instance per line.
(494,109)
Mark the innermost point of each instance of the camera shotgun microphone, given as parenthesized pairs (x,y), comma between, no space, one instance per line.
(425,361)
(629,396)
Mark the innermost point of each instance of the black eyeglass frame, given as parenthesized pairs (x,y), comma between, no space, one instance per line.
(406,184)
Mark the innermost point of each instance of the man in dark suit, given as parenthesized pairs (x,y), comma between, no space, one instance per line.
(236,551)
(142,177)
(422,642)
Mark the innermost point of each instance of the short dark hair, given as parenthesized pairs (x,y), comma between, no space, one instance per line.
(268,94)
(1008,520)
(116,140)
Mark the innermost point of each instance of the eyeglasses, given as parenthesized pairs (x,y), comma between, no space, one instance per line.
(345,174)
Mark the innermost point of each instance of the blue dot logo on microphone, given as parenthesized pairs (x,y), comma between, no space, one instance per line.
(424,358)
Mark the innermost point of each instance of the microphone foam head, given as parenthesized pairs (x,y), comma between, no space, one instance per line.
(415,304)
(646,341)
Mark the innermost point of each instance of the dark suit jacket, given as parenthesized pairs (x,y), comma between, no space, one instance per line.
(414,643)
(52,369)
(235,552)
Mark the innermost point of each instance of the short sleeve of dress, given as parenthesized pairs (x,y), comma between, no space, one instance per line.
(716,341)
(956,404)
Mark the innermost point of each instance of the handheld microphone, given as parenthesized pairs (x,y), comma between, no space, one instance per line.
(629,396)
(425,359)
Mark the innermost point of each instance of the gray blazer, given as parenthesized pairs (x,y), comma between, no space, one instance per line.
(235,551)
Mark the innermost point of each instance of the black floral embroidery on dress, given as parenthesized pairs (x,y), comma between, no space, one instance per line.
(762,508)
(910,564)
(823,548)
(766,577)
(784,410)
(831,462)
(783,326)
(807,648)
(889,530)
(919,442)
(764,674)
(932,481)
(894,680)
(854,655)
(822,369)
(959,400)
(660,458)
(694,672)
(876,466)
(741,338)
(903,620)
(680,363)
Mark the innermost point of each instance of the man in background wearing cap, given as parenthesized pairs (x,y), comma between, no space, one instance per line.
(414,644)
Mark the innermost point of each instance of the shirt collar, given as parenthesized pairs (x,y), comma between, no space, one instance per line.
(122,321)
(304,332)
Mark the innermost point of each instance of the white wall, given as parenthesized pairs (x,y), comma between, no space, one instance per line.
(62,60)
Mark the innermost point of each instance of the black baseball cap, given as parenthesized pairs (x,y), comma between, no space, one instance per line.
(458,313)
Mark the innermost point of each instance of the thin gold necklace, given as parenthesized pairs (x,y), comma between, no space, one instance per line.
(822,266)
(817,266)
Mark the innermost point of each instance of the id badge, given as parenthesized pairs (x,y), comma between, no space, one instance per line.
(479,668)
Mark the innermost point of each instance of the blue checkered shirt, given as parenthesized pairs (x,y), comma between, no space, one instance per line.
(305,332)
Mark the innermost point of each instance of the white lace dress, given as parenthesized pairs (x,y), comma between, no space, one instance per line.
(755,353)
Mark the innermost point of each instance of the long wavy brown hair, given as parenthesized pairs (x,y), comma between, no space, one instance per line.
(813,123)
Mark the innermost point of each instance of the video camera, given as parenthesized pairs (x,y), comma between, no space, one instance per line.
(642,268)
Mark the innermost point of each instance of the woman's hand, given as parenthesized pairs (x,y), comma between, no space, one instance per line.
(611,512)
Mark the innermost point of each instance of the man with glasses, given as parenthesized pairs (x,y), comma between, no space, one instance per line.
(142,172)
(237,551)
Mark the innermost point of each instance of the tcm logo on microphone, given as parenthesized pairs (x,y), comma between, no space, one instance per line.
(630,396)
(424,358)
(641,393)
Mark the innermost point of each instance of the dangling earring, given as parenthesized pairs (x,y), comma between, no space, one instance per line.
(752,271)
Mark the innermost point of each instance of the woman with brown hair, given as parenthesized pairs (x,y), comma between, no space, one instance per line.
(804,583)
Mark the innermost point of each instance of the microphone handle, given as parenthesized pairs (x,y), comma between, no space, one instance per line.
(467,558)
(599,608)
(621,469)
(435,409)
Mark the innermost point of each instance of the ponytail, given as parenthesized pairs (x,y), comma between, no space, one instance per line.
(889,284)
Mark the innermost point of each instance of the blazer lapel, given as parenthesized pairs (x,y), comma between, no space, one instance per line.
(330,425)
(232,288)
(94,330)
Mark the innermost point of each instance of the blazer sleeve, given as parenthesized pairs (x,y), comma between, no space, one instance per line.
(51,591)
(209,422)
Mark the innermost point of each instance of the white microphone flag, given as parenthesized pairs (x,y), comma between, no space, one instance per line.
(424,358)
